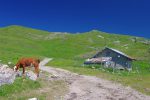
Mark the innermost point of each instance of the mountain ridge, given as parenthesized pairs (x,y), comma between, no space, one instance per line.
(93,30)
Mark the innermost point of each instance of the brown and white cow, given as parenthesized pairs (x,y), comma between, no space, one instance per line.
(27,62)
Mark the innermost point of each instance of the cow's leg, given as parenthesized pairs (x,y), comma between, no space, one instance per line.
(23,74)
(36,69)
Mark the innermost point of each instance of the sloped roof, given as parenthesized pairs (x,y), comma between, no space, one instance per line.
(120,53)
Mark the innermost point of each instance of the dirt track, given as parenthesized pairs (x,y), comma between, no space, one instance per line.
(83,87)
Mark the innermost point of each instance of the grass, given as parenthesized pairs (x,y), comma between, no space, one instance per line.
(43,89)
(70,50)
(19,85)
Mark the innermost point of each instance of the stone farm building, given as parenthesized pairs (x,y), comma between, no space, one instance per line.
(110,57)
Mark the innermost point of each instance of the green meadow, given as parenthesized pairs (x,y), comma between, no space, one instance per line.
(70,50)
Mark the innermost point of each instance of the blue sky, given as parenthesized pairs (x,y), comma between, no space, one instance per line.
(131,17)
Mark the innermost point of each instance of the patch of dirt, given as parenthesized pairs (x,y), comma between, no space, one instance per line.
(83,87)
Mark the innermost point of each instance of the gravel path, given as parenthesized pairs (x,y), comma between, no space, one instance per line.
(83,87)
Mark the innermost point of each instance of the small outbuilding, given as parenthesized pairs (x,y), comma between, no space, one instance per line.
(110,57)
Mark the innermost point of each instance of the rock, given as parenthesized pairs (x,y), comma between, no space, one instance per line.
(18,74)
(93,67)
(31,75)
(9,62)
(54,76)
(28,74)
(125,45)
(116,42)
(33,99)
(7,75)
(3,68)
(100,36)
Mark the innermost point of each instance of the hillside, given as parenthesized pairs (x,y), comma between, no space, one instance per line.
(70,50)
(18,41)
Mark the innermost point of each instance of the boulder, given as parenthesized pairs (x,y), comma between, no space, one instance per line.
(7,75)
(28,74)
(33,99)
(31,75)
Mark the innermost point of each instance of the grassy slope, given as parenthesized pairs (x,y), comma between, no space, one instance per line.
(43,89)
(70,50)
(17,41)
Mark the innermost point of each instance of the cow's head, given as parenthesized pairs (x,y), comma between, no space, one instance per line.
(15,68)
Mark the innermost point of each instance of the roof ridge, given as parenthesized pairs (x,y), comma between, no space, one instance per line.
(120,52)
